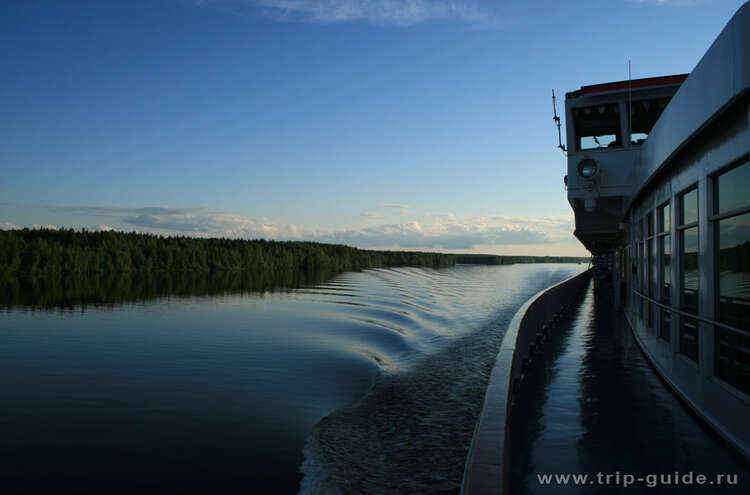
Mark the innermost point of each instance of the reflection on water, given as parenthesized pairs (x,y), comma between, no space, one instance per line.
(110,289)
(593,405)
(376,375)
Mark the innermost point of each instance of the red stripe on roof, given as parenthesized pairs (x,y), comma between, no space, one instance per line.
(635,83)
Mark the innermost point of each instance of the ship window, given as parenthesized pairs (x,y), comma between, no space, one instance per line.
(645,113)
(651,279)
(665,260)
(649,271)
(689,210)
(689,269)
(732,230)
(666,256)
(734,270)
(732,189)
(689,274)
(597,126)
(641,250)
(664,218)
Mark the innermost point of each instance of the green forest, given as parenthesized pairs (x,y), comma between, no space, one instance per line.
(46,267)
(46,252)
(69,252)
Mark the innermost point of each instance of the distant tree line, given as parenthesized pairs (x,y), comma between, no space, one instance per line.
(43,252)
(46,267)
(494,259)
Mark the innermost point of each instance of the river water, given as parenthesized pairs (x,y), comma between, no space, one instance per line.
(370,382)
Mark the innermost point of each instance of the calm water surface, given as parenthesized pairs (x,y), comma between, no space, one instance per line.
(367,383)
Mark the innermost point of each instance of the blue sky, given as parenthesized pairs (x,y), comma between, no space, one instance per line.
(417,124)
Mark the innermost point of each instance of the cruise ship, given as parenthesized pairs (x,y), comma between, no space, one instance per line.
(659,180)
(658,177)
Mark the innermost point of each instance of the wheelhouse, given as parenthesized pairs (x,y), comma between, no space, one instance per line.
(607,125)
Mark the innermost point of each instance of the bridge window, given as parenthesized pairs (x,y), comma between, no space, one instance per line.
(732,227)
(597,126)
(688,237)
(645,113)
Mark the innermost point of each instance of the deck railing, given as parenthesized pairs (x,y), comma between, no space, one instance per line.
(487,464)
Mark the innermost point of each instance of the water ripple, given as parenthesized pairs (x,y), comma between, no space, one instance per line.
(411,431)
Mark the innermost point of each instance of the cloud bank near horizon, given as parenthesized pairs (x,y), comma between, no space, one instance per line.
(403,229)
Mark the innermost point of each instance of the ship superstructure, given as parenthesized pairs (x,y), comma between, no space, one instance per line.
(607,125)
(658,177)
(659,181)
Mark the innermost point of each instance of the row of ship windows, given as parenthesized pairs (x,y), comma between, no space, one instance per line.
(730,217)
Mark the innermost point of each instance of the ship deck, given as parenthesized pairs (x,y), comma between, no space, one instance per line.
(592,404)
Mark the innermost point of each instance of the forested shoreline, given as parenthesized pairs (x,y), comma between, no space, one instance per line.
(42,252)
(496,259)
(47,267)
(69,252)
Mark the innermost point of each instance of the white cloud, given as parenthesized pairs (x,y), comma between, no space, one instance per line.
(381,12)
(448,232)
(395,206)
(550,221)
(198,222)
(442,217)
(13,226)
(210,223)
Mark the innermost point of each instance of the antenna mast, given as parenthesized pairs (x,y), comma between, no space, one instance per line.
(557,122)
(630,103)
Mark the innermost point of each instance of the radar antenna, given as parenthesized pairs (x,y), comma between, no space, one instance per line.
(557,122)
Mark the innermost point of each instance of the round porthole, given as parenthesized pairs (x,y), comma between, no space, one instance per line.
(587,168)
